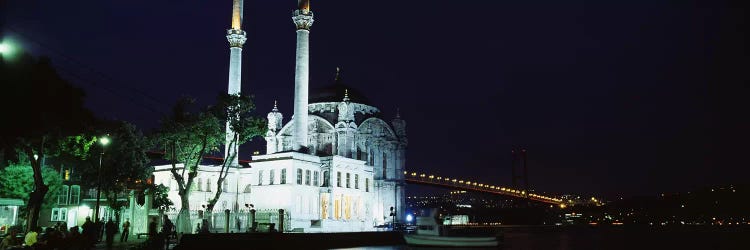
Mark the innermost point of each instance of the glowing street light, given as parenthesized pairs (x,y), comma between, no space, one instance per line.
(104,140)
(4,48)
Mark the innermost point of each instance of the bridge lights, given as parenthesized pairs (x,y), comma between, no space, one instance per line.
(405,172)
(414,174)
(454,180)
(421,175)
(440,178)
(432,177)
(502,189)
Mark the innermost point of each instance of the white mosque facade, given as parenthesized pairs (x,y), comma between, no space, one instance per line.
(337,165)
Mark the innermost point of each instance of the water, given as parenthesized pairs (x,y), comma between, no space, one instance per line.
(616,238)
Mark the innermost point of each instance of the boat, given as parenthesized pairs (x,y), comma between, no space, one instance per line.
(428,233)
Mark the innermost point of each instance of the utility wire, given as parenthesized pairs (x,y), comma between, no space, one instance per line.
(14,30)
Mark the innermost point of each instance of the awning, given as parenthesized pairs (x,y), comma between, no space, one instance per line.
(11,202)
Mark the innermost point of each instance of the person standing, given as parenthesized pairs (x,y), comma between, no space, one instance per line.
(166,230)
(10,240)
(110,229)
(152,228)
(89,232)
(125,231)
(31,237)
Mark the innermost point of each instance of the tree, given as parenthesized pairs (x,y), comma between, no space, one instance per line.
(161,197)
(44,109)
(236,111)
(17,181)
(187,136)
(124,161)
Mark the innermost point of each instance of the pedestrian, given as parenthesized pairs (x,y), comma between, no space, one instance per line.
(89,232)
(166,230)
(99,229)
(125,231)
(76,241)
(110,229)
(10,241)
(152,228)
(31,236)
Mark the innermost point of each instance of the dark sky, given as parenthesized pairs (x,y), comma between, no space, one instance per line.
(608,97)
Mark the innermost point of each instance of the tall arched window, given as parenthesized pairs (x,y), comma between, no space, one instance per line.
(372,158)
(385,166)
(359,154)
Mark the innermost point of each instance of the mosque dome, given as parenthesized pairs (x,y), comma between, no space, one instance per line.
(335,92)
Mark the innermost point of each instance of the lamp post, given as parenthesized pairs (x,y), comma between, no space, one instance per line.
(103,141)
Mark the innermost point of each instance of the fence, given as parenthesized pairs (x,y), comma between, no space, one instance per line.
(239,221)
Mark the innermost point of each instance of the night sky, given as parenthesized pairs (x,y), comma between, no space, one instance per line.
(608,97)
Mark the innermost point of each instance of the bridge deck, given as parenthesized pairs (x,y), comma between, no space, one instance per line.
(479,187)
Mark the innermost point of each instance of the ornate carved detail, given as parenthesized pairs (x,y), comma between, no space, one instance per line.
(346,112)
(322,107)
(303,19)
(236,38)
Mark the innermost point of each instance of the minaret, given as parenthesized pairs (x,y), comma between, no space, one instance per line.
(303,19)
(236,37)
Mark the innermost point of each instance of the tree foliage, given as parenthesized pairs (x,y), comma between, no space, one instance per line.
(188,134)
(161,197)
(236,111)
(17,181)
(45,110)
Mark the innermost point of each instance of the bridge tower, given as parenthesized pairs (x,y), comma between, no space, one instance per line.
(518,164)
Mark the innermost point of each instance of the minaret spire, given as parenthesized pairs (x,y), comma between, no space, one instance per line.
(304,5)
(236,38)
(303,19)
(237,12)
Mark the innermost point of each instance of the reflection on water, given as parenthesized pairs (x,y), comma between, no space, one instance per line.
(617,238)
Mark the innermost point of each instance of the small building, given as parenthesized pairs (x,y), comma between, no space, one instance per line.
(9,213)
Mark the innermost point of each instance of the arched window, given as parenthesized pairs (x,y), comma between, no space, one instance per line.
(200,184)
(272,177)
(385,166)
(316,177)
(225,185)
(260,177)
(372,158)
(208,185)
(299,176)
(359,154)
(307,178)
(283,176)
(326,178)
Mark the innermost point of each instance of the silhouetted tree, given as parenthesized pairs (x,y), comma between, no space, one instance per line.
(40,109)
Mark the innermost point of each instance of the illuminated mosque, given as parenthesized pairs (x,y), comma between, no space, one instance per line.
(335,166)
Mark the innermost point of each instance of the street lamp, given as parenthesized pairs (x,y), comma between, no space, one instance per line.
(4,48)
(103,141)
